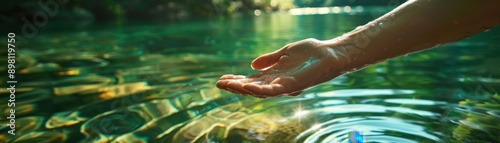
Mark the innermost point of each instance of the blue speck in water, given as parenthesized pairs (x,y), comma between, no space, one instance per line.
(356,137)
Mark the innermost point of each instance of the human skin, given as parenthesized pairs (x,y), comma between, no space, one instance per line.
(413,26)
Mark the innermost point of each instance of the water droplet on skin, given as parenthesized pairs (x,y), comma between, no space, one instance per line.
(381,25)
(283,57)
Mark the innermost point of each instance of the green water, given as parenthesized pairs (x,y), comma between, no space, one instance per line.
(155,82)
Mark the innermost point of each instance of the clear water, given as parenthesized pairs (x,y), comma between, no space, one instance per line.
(156,83)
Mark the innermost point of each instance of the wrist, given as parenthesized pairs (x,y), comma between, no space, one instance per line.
(336,58)
(360,47)
(341,50)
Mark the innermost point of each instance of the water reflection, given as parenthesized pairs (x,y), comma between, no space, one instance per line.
(157,84)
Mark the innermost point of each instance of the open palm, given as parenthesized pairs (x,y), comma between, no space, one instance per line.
(287,71)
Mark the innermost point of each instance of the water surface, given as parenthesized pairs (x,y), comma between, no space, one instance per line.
(154,82)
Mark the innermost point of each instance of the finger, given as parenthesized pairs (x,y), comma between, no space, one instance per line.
(273,90)
(254,88)
(230,76)
(288,85)
(237,87)
(287,82)
(256,82)
(268,59)
(232,91)
(222,84)
(234,86)
(265,90)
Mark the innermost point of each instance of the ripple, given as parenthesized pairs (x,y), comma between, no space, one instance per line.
(41,137)
(23,126)
(353,108)
(364,92)
(28,101)
(374,129)
(414,102)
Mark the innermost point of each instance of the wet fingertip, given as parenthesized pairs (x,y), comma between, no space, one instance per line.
(221,84)
(217,84)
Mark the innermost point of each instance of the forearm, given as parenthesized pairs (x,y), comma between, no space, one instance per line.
(414,26)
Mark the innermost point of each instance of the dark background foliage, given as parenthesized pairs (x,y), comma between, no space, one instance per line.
(164,10)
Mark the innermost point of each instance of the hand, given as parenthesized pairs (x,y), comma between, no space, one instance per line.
(287,71)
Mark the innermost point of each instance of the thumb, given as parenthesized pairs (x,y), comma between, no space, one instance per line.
(268,59)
